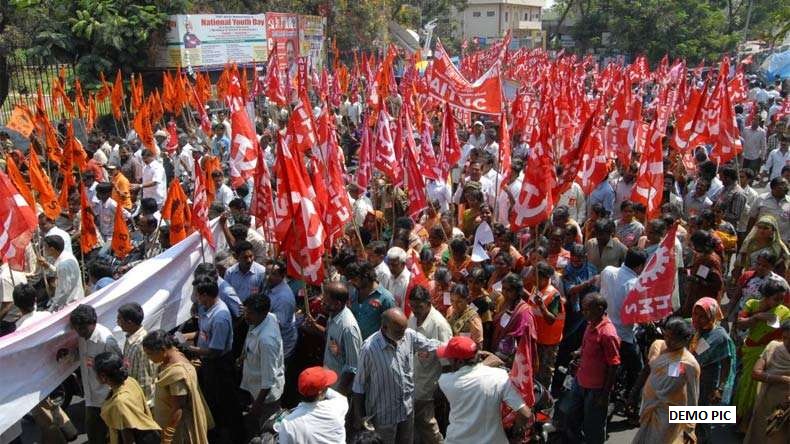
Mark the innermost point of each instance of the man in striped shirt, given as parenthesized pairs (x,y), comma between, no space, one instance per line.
(384,384)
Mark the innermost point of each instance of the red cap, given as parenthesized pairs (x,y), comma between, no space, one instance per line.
(313,380)
(459,347)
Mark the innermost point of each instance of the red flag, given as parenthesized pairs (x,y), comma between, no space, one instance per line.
(594,165)
(687,122)
(365,169)
(447,84)
(88,237)
(727,138)
(17,223)
(273,81)
(535,203)
(121,243)
(244,147)
(415,184)
(338,209)
(200,206)
(205,121)
(449,146)
(262,205)
(504,150)
(384,157)
(651,297)
(649,185)
(16,177)
(429,164)
(304,127)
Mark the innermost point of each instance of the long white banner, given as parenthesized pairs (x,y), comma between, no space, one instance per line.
(161,285)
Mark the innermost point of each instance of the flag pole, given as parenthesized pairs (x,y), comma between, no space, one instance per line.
(202,250)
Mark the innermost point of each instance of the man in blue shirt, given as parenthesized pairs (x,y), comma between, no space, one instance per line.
(369,300)
(216,373)
(220,143)
(283,305)
(247,277)
(602,194)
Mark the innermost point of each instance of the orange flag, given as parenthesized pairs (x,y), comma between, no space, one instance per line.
(21,120)
(40,182)
(73,151)
(63,199)
(181,96)
(19,181)
(106,89)
(117,96)
(136,92)
(121,245)
(210,164)
(245,92)
(155,106)
(90,122)
(82,107)
(45,129)
(88,237)
(142,125)
(176,211)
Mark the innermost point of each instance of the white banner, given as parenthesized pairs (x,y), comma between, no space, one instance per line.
(162,285)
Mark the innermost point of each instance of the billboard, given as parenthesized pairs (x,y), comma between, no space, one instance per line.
(283,31)
(311,40)
(213,40)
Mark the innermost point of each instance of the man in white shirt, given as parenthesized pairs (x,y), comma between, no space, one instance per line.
(47,227)
(104,211)
(223,194)
(754,145)
(400,275)
(475,393)
(355,111)
(361,205)
(777,159)
(154,181)
(491,146)
(321,417)
(94,339)
(438,192)
(477,139)
(427,368)
(184,163)
(68,287)
(377,251)
(263,374)
(24,297)
(574,199)
(9,314)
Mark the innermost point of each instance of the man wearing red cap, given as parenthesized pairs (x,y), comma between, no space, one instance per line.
(475,392)
(320,418)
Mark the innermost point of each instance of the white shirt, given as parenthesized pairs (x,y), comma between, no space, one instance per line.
(776,161)
(263,360)
(184,163)
(398,285)
(477,141)
(354,112)
(503,202)
(438,192)
(31,318)
(224,195)
(574,199)
(383,274)
(427,369)
(10,278)
(68,287)
(55,231)
(322,422)
(475,394)
(155,172)
(105,215)
(754,143)
(100,341)
(361,208)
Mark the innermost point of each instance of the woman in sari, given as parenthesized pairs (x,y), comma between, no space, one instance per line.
(503,239)
(483,302)
(179,407)
(773,372)
(715,352)
(671,378)
(460,263)
(762,318)
(125,411)
(440,288)
(705,278)
(463,317)
(764,236)
(437,241)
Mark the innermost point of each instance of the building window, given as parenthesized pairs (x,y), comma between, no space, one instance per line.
(490,13)
(507,16)
(526,16)
(476,14)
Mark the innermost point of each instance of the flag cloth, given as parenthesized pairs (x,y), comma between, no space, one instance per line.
(121,243)
(17,223)
(273,81)
(39,181)
(535,202)
(384,158)
(415,184)
(21,120)
(244,146)
(176,212)
(651,297)
(449,146)
(19,181)
(116,97)
(200,206)
(262,204)
(88,237)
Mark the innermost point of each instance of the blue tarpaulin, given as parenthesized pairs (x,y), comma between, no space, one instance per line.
(777,65)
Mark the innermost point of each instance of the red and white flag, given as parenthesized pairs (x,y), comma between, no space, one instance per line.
(504,151)
(535,203)
(449,146)
(651,297)
(415,184)
(384,158)
(17,223)
(262,205)
(365,168)
(338,207)
(244,147)
(200,206)
(274,83)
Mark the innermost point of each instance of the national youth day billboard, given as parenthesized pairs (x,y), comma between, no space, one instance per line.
(214,40)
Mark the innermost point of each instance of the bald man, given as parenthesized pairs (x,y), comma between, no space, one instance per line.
(384,384)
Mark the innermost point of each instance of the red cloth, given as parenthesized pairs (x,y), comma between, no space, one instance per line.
(600,345)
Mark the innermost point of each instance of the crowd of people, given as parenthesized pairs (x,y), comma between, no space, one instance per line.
(449,326)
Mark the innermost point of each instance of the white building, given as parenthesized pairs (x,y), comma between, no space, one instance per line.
(491,19)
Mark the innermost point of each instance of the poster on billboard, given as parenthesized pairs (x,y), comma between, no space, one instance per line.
(283,30)
(208,40)
(311,40)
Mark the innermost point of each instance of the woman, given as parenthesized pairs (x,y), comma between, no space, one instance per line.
(470,218)
(749,282)
(772,370)
(503,239)
(125,411)
(715,352)
(459,262)
(437,241)
(705,277)
(762,318)
(558,257)
(671,378)
(503,264)
(764,236)
(483,302)
(654,232)
(627,228)
(179,407)
(440,288)
(463,317)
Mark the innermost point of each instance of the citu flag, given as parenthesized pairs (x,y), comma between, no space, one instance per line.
(200,206)
(415,183)
(274,84)
(262,204)
(121,243)
(19,181)
(18,222)
(535,202)
(88,237)
(39,181)
(176,211)
(244,146)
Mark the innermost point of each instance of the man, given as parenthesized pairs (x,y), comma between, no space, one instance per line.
(427,321)
(68,287)
(602,194)
(130,165)
(360,204)
(242,230)
(384,384)
(130,320)
(573,198)
(25,296)
(491,146)
(732,199)
(223,194)
(616,282)
(247,277)
(9,314)
(584,407)
(400,275)
(320,418)
(511,192)
(745,178)
(154,182)
(216,373)
(754,145)
(477,139)
(377,251)
(438,192)
(776,204)
(220,143)
(104,211)
(476,180)
(778,158)
(476,393)
(121,190)
(697,200)
(283,305)
(343,339)
(183,163)
(369,300)
(548,309)
(623,187)
(47,227)
(93,339)
(263,372)
(604,249)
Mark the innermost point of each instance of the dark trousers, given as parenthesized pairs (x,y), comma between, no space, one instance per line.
(631,360)
(95,427)
(217,378)
(569,344)
(590,426)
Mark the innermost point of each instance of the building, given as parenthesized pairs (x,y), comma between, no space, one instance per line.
(489,20)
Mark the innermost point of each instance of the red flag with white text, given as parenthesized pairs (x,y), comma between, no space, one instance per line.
(200,206)
(244,146)
(18,222)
